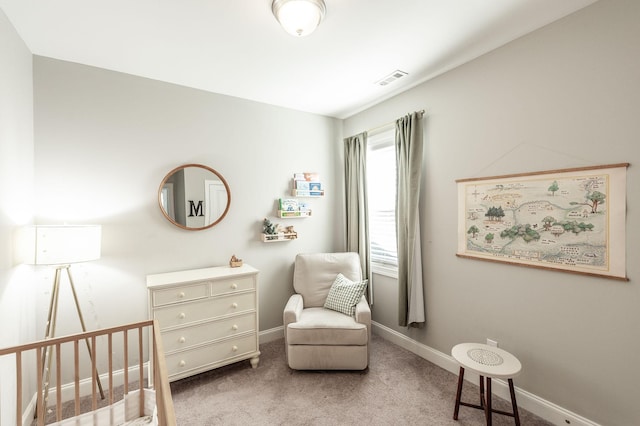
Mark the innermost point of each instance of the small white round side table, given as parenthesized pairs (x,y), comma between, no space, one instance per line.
(489,362)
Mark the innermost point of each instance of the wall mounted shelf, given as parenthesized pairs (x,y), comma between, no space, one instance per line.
(294,214)
(301,193)
(283,236)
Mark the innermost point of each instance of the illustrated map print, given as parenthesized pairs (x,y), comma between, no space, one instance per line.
(546,220)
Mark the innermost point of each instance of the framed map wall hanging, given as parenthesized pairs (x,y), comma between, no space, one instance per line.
(570,220)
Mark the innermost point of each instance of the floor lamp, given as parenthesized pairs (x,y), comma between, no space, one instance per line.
(61,246)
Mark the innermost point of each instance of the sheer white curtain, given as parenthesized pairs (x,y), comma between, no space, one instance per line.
(409,151)
(357,216)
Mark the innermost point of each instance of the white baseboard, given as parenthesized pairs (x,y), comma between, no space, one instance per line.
(530,402)
(270,335)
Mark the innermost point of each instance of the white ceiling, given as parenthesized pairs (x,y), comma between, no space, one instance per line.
(237,48)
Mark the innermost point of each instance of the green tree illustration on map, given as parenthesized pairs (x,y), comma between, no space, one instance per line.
(554,187)
(593,200)
(548,222)
(495,213)
(525,231)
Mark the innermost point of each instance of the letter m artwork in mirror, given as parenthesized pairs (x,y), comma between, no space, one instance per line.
(196,210)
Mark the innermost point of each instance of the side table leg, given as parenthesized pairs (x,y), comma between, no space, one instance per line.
(458,393)
(513,402)
(488,407)
(481,384)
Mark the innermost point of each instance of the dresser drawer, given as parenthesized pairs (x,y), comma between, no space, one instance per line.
(182,362)
(232,285)
(180,294)
(200,310)
(186,337)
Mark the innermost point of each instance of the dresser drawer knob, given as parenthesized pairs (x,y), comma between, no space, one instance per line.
(182,363)
(181,294)
(234,286)
(234,305)
(234,348)
(182,339)
(182,315)
(234,327)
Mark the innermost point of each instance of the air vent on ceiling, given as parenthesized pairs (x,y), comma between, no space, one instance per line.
(391,78)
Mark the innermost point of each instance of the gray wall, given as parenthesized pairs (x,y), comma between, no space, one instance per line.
(567,95)
(104,142)
(16,207)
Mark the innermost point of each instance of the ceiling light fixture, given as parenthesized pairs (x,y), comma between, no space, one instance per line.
(299,17)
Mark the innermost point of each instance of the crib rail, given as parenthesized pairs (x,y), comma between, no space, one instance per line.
(164,404)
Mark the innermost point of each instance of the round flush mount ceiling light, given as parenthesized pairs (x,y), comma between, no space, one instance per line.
(299,17)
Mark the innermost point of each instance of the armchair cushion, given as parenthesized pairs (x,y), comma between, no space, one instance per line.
(319,326)
(314,273)
(344,295)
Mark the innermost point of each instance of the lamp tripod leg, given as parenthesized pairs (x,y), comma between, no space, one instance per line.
(49,333)
(84,329)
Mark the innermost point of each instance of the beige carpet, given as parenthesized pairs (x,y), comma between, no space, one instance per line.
(399,388)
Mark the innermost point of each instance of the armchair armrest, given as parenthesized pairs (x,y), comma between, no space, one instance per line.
(292,310)
(363,316)
(363,312)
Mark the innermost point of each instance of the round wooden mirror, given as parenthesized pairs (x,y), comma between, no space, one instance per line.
(194,197)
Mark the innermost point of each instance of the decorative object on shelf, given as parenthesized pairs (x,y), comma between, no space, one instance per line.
(268,227)
(235,262)
(299,17)
(290,233)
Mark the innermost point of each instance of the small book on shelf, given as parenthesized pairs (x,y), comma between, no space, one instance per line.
(288,204)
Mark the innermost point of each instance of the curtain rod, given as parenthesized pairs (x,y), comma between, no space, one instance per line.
(378,128)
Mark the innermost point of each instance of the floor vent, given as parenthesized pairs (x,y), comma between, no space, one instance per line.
(391,78)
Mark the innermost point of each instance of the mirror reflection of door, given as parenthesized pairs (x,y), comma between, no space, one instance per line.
(215,200)
(167,200)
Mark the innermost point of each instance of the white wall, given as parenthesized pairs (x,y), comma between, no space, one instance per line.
(567,95)
(104,142)
(16,208)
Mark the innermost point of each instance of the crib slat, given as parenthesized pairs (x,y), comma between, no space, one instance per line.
(18,388)
(110,345)
(76,374)
(58,384)
(126,361)
(40,397)
(94,375)
(140,373)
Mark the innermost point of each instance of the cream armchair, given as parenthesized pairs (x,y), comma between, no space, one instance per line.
(317,338)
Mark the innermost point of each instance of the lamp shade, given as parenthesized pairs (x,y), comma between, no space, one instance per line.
(60,244)
(299,17)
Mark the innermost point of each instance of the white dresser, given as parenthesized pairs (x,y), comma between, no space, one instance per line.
(208,317)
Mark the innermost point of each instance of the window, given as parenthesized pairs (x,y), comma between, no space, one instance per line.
(381,185)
